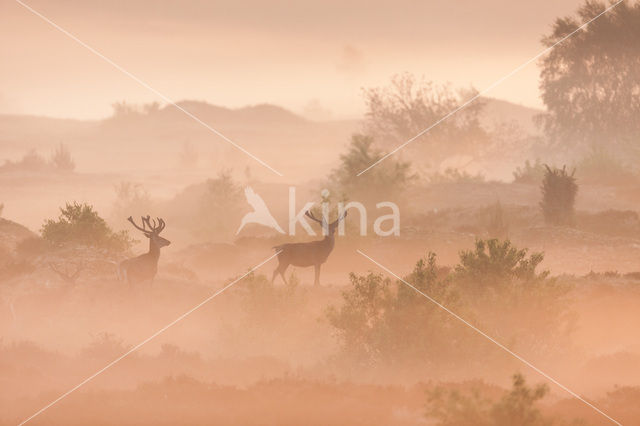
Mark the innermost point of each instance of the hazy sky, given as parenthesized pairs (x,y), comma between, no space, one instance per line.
(299,54)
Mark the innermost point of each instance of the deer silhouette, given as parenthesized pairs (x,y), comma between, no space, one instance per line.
(145,266)
(313,253)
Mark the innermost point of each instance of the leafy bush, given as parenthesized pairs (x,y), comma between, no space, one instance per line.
(495,286)
(495,263)
(30,162)
(511,299)
(516,407)
(559,190)
(530,173)
(60,160)
(79,224)
(381,321)
(408,105)
(386,179)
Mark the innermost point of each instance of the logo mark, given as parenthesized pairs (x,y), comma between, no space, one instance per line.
(260,214)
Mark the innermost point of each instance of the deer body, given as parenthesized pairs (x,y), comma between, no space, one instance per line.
(145,266)
(313,253)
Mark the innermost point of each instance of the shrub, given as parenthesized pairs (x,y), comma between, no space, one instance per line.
(530,173)
(495,263)
(62,160)
(383,321)
(512,301)
(400,111)
(516,407)
(386,179)
(559,190)
(79,224)
(30,162)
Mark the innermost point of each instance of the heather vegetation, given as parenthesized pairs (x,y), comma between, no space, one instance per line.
(513,273)
(80,224)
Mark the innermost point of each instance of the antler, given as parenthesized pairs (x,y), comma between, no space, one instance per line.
(145,220)
(156,227)
(312,217)
(339,218)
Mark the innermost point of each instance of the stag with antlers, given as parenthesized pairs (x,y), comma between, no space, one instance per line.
(313,253)
(145,266)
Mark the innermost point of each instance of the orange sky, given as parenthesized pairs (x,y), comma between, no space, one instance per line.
(234,53)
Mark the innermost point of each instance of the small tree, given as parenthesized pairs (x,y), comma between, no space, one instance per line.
(408,105)
(80,224)
(384,321)
(500,283)
(559,190)
(517,407)
(62,160)
(385,179)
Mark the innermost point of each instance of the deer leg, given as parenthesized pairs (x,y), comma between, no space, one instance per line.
(282,269)
(317,270)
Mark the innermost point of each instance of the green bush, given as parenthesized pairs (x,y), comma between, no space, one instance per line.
(384,321)
(516,407)
(494,263)
(496,287)
(387,179)
(559,190)
(511,300)
(79,224)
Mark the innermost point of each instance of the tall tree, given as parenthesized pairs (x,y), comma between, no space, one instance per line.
(590,83)
(409,105)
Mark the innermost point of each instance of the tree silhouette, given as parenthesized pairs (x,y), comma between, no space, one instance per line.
(590,83)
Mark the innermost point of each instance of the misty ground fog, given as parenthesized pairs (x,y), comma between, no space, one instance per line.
(487,272)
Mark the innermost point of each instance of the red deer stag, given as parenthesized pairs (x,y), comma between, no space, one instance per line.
(313,253)
(145,266)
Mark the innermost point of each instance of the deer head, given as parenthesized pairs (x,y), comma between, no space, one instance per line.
(329,227)
(153,231)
